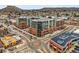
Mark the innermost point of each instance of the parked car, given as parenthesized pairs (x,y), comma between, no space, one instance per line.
(77,46)
(73,51)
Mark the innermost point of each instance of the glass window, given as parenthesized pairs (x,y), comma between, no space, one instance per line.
(51,22)
(39,28)
(33,24)
(54,22)
(45,25)
(29,22)
(23,20)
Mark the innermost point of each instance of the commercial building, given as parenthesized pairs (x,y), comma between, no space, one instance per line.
(59,23)
(63,42)
(9,41)
(12,21)
(73,21)
(25,21)
(44,26)
(41,26)
(21,22)
(3,30)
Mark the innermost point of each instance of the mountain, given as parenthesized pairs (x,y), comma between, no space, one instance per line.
(61,8)
(43,11)
(11,9)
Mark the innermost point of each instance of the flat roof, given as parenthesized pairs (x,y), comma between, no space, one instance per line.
(23,17)
(42,20)
(31,17)
(76,31)
(17,37)
(7,39)
(64,38)
(59,18)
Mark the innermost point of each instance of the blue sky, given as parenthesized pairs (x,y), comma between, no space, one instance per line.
(39,6)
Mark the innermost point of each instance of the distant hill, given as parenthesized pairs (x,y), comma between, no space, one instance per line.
(43,11)
(62,8)
(11,9)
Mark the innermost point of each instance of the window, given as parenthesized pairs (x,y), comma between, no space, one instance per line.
(34,24)
(45,24)
(23,20)
(51,23)
(39,28)
(29,22)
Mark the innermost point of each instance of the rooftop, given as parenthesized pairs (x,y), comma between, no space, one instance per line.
(8,39)
(64,38)
(31,17)
(42,20)
(76,31)
(23,17)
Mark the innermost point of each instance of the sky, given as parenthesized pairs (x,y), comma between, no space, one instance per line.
(38,6)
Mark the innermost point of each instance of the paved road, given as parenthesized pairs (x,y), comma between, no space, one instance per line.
(19,33)
(44,48)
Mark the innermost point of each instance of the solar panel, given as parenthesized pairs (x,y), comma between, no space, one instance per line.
(63,37)
(60,41)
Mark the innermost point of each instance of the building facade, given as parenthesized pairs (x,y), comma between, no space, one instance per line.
(40,26)
(44,26)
